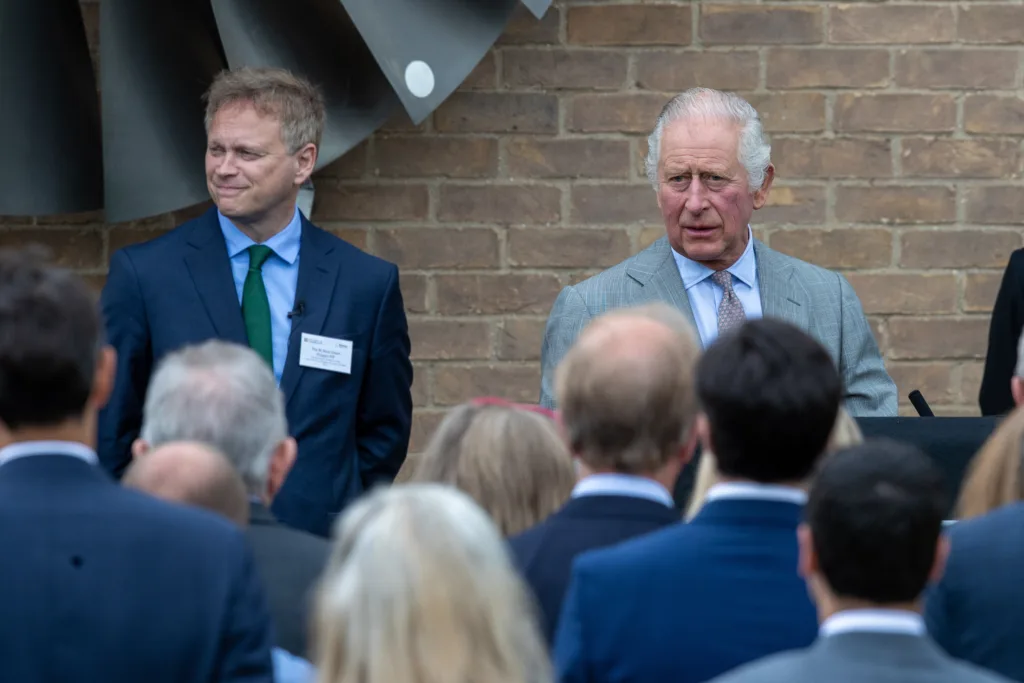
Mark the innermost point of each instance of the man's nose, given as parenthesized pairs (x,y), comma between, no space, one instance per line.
(696,197)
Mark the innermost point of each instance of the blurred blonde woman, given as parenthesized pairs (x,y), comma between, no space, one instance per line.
(994,475)
(419,589)
(845,433)
(510,459)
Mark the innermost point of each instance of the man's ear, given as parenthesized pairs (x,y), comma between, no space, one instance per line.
(761,195)
(1017,389)
(690,447)
(280,465)
(703,432)
(941,555)
(306,158)
(103,377)
(139,448)
(808,560)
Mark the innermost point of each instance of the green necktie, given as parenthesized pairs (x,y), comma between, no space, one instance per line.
(256,306)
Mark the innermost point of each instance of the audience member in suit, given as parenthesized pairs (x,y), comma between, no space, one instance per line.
(196,474)
(628,407)
(420,588)
(994,475)
(511,460)
(1002,360)
(845,433)
(325,316)
(692,601)
(871,542)
(100,583)
(224,395)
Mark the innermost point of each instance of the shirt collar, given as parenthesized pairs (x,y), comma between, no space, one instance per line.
(749,490)
(25,449)
(609,484)
(874,621)
(285,243)
(744,270)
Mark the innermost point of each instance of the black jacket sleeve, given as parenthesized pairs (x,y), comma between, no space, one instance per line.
(1004,332)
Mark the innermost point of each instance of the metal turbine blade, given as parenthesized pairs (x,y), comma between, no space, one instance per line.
(157,57)
(317,39)
(538,7)
(426,48)
(49,111)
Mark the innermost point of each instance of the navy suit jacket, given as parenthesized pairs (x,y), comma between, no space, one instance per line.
(976,612)
(101,583)
(544,554)
(352,430)
(690,602)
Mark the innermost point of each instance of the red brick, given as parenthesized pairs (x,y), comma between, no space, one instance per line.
(119,238)
(799,205)
(988,23)
(994,114)
(496,293)
(945,158)
(891,24)
(814,157)
(905,293)
(420,156)
(938,338)
(420,385)
(629,24)
(524,28)
(581,158)
(484,75)
(596,204)
(896,204)
(521,338)
(971,69)
(895,113)
(957,248)
(414,292)
(504,204)
(970,383)
(931,378)
(454,384)
(438,247)
(424,424)
(67,248)
(794,112)
(995,205)
(561,248)
(350,165)
(450,339)
(626,113)
(827,68)
(980,291)
(366,202)
(847,248)
(357,237)
(480,112)
(570,69)
(752,25)
(678,70)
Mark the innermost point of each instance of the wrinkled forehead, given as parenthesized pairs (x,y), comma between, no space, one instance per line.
(241,120)
(700,136)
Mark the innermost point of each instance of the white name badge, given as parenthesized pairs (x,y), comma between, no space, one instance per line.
(325,353)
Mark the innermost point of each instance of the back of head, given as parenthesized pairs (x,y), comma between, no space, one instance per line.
(50,341)
(511,461)
(994,477)
(221,394)
(625,390)
(419,587)
(771,394)
(875,512)
(194,474)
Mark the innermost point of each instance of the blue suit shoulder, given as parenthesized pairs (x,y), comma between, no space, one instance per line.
(647,551)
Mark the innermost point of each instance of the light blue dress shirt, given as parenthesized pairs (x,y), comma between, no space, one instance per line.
(280,277)
(291,669)
(705,296)
(614,484)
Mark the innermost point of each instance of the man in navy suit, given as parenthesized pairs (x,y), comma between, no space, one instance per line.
(693,601)
(628,406)
(327,317)
(99,583)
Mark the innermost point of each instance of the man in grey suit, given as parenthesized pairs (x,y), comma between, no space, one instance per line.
(710,164)
(871,542)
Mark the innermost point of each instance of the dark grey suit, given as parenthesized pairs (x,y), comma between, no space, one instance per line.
(861,657)
(289,562)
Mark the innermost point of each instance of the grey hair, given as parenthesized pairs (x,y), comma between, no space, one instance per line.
(755,151)
(420,587)
(1019,370)
(221,394)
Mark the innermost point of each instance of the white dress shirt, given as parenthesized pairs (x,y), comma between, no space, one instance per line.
(24,449)
(874,621)
(705,296)
(748,490)
(610,484)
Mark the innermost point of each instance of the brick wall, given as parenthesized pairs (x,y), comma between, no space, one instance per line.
(897,133)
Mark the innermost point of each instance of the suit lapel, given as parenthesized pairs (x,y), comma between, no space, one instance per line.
(318,272)
(781,296)
(655,269)
(210,268)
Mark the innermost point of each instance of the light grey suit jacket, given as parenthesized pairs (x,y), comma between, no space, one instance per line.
(817,300)
(862,658)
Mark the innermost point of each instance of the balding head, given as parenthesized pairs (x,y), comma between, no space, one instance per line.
(194,474)
(626,392)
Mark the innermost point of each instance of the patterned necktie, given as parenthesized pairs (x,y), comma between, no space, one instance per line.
(256,306)
(730,311)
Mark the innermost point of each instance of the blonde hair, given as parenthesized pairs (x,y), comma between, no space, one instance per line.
(994,475)
(845,433)
(295,102)
(419,589)
(511,461)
